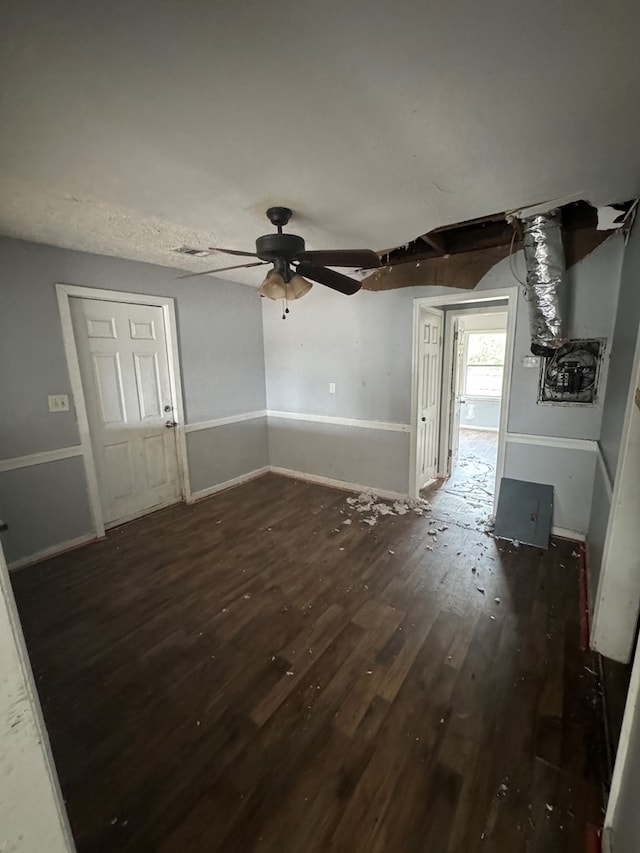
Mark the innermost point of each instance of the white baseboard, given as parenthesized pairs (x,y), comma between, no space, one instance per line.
(337,484)
(228,484)
(569,534)
(53,551)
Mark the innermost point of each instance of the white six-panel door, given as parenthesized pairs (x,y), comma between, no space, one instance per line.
(124,365)
(429,381)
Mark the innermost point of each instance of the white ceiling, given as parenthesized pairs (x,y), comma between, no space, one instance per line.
(130,128)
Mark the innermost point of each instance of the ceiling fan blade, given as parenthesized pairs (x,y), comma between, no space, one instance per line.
(359,258)
(222,269)
(330,278)
(234,252)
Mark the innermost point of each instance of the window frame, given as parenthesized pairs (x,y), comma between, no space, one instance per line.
(465,355)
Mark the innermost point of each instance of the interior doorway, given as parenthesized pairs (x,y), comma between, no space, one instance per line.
(475,339)
(471,388)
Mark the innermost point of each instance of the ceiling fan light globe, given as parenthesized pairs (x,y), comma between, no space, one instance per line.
(297,287)
(273,287)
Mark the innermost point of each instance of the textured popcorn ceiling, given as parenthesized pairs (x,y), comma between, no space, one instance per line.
(129,129)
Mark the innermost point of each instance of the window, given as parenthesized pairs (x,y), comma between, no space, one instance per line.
(484,364)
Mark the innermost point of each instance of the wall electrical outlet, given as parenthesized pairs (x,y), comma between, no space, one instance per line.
(58,402)
(332,387)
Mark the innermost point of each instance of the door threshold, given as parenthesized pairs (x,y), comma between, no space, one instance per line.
(127,519)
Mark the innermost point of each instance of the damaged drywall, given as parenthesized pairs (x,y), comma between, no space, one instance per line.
(459,255)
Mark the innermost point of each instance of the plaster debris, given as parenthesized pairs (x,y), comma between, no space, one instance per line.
(347,521)
(374,508)
(502,790)
(432,532)
(391,552)
(549,807)
(288,672)
(246,595)
(497,600)
(481,589)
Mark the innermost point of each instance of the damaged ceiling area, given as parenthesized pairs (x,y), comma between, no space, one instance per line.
(136,129)
(460,255)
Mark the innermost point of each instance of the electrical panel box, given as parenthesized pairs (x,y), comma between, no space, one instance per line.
(570,376)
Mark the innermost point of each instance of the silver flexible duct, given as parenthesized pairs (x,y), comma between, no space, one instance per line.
(546,284)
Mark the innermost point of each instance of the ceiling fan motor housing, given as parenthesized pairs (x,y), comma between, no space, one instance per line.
(273,247)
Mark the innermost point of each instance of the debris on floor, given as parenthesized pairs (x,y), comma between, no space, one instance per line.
(374,508)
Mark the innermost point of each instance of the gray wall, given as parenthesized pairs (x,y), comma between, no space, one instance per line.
(621,356)
(593,287)
(570,472)
(366,457)
(622,352)
(225,452)
(363,344)
(43,505)
(222,360)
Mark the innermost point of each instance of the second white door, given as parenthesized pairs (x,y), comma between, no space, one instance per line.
(124,365)
(429,381)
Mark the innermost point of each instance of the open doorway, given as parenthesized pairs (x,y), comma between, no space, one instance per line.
(460,392)
(472,383)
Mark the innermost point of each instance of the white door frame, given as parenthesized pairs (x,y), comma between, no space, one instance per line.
(64,292)
(457,299)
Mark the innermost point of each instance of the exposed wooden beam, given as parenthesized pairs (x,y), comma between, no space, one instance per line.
(435,242)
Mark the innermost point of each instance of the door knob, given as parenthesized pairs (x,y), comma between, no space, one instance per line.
(171,424)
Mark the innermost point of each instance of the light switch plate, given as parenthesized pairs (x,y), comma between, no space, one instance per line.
(58,402)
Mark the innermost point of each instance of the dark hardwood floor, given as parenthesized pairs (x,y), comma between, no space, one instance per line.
(253,673)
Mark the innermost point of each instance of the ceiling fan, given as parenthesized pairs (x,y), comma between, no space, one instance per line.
(293,265)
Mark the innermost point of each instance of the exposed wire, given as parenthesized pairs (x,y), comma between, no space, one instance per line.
(511,264)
